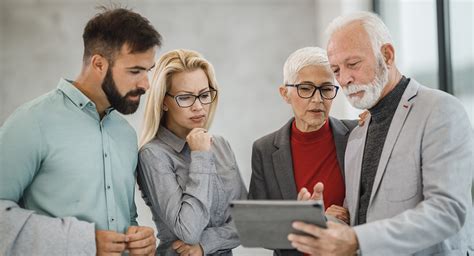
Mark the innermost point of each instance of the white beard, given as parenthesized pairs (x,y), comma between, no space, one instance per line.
(372,91)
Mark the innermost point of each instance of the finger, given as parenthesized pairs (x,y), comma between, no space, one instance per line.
(318,191)
(142,243)
(304,248)
(176,244)
(132,230)
(308,228)
(114,237)
(142,251)
(115,247)
(302,192)
(182,249)
(141,234)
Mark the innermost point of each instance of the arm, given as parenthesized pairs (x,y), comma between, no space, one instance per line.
(257,189)
(22,232)
(21,153)
(446,167)
(224,237)
(184,210)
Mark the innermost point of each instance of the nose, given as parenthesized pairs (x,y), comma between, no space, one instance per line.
(345,78)
(197,105)
(144,83)
(317,96)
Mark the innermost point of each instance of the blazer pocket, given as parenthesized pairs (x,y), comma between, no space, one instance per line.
(402,180)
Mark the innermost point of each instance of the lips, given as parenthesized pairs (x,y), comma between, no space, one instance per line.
(197,118)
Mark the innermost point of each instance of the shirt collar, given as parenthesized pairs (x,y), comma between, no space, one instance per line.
(169,138)
(74,94)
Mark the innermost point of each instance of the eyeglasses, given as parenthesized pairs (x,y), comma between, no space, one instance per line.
(188,99)
(307,91)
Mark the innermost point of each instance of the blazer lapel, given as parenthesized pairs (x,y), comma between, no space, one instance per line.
(283,164)
(353,166)
(393,132)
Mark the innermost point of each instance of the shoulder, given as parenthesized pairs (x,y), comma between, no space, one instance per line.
(342,126)
(268,141)
(156,152)
(30,113)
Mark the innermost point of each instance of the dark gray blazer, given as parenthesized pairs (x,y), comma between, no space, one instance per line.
(272,164)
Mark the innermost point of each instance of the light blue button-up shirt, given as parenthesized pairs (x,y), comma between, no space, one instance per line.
(59,158)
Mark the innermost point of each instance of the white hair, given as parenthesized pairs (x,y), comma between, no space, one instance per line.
(308,56)
(373,25)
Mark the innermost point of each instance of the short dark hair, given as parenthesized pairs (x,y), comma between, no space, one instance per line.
(108,31)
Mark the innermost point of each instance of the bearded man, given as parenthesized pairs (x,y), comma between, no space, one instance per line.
(409,168)
(68,159)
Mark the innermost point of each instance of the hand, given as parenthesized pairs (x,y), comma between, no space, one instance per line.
(109,242)
(337,239)
(304,194)
(199,140)
(339,212)
(363,116)
(141,240)
(187,250)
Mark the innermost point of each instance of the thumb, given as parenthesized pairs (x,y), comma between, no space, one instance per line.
(318,191)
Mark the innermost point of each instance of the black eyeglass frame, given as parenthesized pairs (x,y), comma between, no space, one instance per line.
(211,90)
(317,88)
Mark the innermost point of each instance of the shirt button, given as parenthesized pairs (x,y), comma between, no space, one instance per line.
(80,104)
(112,219)
(108,187)
(105,154)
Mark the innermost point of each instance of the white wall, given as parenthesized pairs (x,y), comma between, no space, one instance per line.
(247,41)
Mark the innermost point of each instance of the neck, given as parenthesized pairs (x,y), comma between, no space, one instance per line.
(393,80)
(92,89)
(305,127)
(177,130)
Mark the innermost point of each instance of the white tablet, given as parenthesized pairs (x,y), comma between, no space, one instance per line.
(266,224)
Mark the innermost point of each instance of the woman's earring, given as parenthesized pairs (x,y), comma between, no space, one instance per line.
(165,108)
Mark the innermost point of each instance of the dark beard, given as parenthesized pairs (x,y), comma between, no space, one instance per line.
(121,103)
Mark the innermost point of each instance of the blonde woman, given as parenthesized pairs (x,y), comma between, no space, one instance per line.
(187,176)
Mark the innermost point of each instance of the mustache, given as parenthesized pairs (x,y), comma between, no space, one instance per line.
(136,92)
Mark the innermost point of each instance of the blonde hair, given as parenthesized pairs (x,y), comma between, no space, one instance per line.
(170,63)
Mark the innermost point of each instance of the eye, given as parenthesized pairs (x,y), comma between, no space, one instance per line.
(335,71)
(353,64)
(184,97)
(135,72)
(327,88)
(205,95)
(306,87)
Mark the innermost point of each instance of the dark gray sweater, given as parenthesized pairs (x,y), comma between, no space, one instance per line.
(381,118)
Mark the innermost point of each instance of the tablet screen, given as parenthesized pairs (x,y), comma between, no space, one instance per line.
(266,224)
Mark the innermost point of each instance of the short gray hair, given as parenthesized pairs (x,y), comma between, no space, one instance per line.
(373,25)
(308,56)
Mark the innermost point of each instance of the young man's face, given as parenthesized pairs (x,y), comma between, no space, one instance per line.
(127,79)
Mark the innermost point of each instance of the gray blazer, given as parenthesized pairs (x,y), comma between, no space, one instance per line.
(272,164)
(421,202)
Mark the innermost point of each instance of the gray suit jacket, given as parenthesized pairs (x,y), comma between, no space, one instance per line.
(421,202)
(272,164)
(23,232)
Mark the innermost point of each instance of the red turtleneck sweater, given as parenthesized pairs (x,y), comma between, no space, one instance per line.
(315,160)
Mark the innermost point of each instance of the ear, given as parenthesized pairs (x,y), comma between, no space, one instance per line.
(388,53)
(165,108)
(284,93)
(100,65)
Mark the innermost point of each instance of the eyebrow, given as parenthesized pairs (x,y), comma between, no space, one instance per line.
(141,68)
(323,83)
(200,91)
